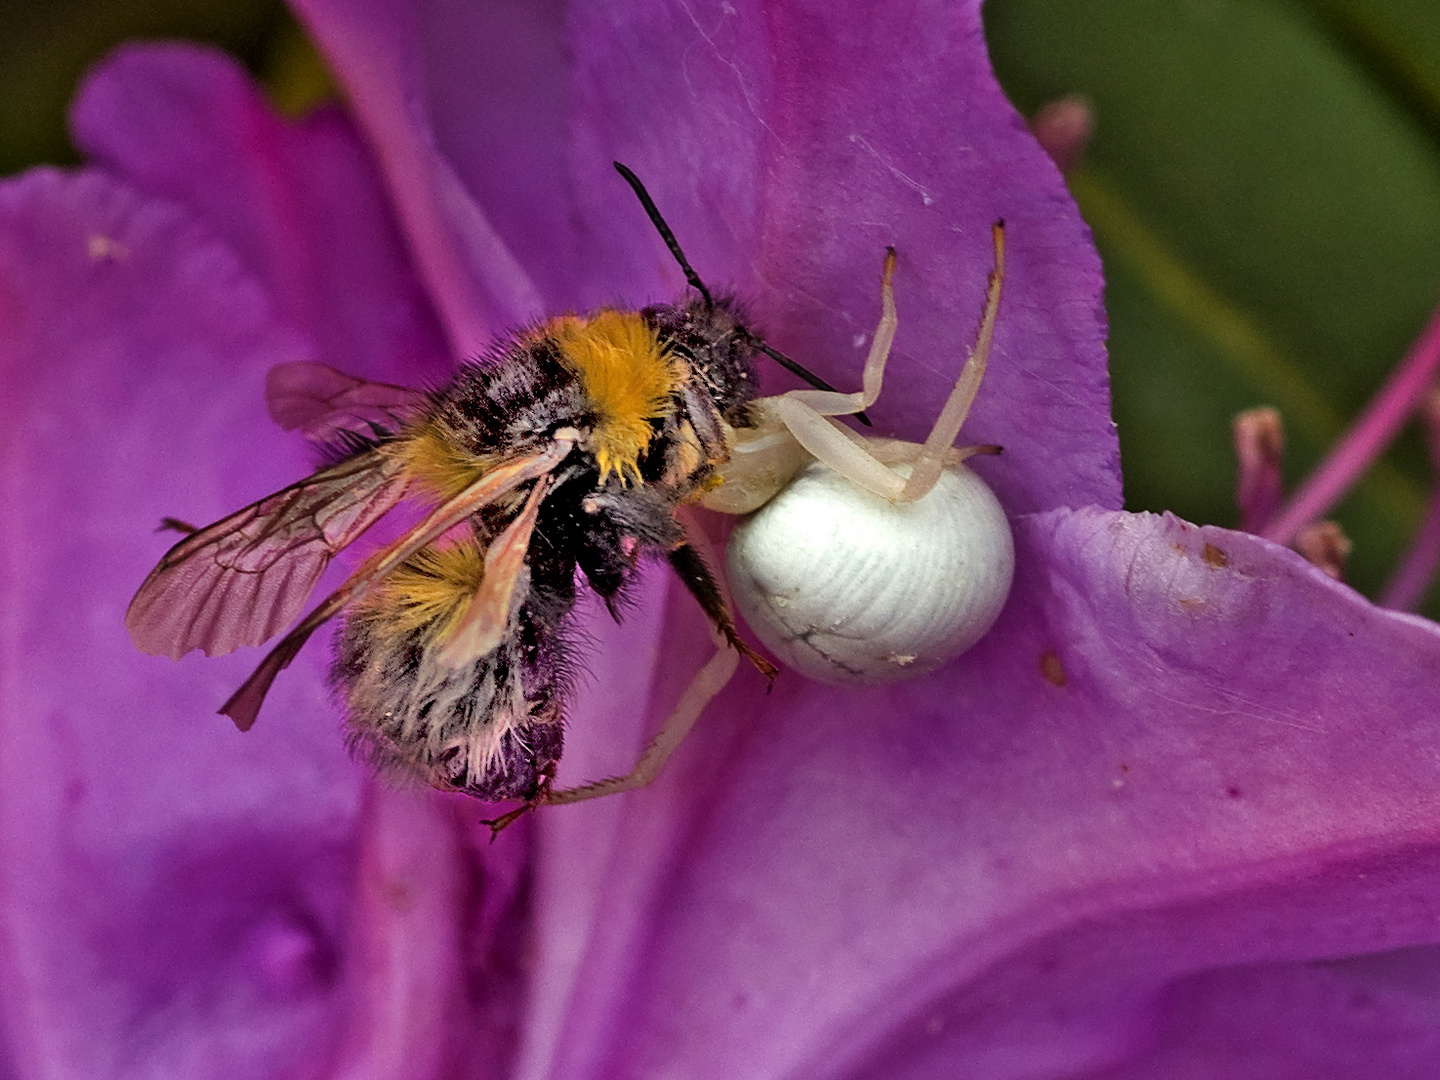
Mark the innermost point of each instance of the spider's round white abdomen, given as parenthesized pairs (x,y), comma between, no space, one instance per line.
(847,587)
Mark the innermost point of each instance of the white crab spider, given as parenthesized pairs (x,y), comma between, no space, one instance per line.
(861,560)
(866,560)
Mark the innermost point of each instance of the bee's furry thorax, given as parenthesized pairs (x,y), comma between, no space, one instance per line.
(647,390)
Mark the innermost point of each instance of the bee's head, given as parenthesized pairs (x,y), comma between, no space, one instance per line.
(710,336)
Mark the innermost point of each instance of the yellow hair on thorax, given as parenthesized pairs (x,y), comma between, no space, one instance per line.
(626,376)
(434,459)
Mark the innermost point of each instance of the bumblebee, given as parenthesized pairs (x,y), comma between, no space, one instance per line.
(566,447)
(567,450)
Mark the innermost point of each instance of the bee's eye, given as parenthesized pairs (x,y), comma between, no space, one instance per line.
(847,587)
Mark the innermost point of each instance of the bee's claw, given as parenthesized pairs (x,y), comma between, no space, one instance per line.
(504,821)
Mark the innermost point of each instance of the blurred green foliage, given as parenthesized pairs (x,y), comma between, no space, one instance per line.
(45,48)
(1264,187)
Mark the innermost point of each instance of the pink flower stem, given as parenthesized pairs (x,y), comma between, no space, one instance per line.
(1412,578)
(1380,422)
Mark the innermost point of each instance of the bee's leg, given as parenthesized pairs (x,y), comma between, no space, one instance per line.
(695,572)
(691,568)
(505,820)
(170,524)
(710,680)
(542,795)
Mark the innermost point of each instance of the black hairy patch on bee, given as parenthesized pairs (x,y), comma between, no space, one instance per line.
(512,398)
(713,338)
(347,443)
(490,729)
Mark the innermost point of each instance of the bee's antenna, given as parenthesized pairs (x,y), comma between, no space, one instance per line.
(653,212)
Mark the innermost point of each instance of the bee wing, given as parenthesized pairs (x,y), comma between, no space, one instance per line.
(324,403)
(244,704)
(240,580)
(486,619)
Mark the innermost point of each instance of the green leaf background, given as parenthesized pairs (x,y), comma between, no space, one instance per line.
(1264,186)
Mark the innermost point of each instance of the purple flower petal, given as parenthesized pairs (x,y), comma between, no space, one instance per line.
(784,146)
(300,204)
(474,279)
(1372,1016)
(797,126)
(173,887)
(1169,756)
(177,893)
(1180,750)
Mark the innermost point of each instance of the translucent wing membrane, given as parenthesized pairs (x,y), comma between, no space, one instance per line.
(485,621)
(324,403)
(240,581)
(244,704)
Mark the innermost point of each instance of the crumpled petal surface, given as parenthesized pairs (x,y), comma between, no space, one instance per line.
(1114,839)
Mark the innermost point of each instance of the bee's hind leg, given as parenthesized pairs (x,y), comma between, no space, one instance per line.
(708,682)
(542,795)
(695,574)
(689,563)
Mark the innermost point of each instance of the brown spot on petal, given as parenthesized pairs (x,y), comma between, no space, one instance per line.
(1215,557)
(1051,668)
(398,895)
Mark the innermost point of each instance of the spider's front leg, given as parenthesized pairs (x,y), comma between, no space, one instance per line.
(879,559)
(803,416)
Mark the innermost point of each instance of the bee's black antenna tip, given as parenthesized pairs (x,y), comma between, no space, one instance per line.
(653,212)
